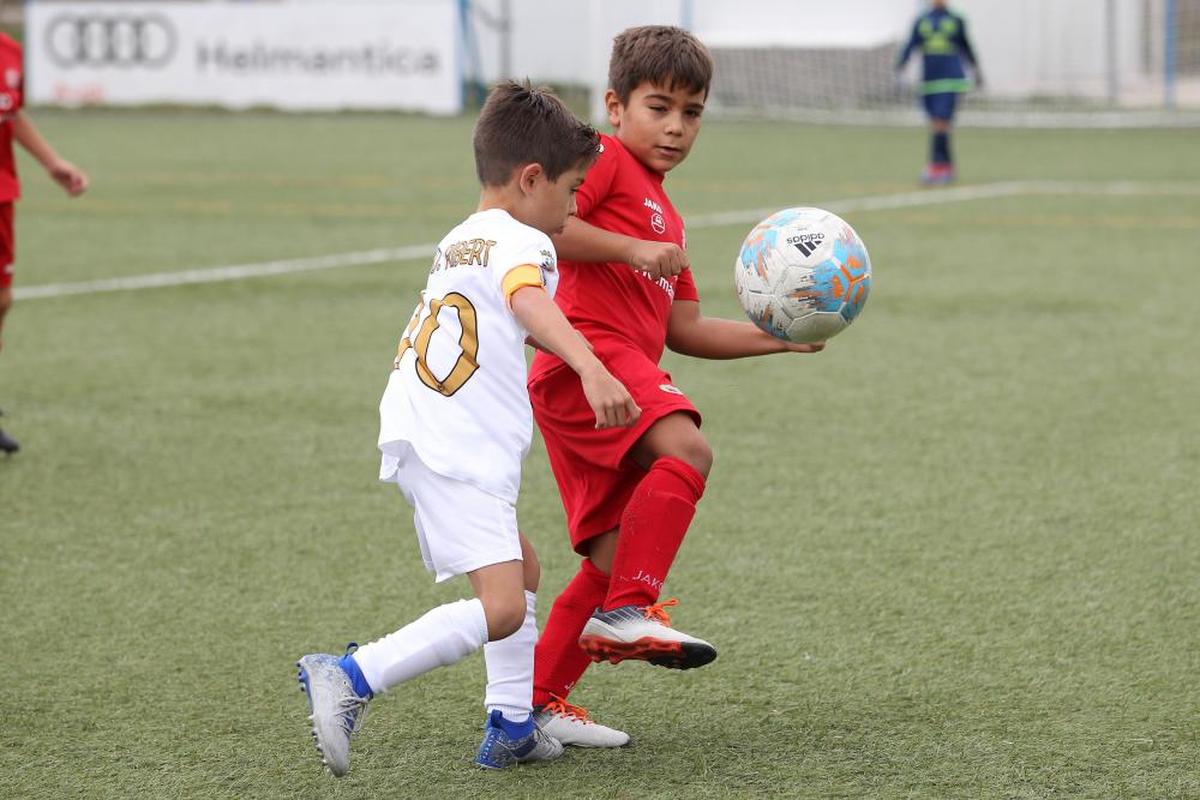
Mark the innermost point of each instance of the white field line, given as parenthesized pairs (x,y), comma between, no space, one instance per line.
(230,273)
(884,202)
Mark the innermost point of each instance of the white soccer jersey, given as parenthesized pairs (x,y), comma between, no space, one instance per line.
(457,396)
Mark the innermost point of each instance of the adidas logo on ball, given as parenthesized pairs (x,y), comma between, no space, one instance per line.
(807,243)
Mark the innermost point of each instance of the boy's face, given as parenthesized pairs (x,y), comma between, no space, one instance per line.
(549,203)
(658,125)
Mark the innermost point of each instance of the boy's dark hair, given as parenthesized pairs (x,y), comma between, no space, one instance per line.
(523,125)
(661,54)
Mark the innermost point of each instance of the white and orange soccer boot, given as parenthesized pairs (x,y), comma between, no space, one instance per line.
(643,633)
(572,726)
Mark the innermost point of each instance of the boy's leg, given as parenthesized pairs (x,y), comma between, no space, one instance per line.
(339,688)
(446,634)
(441,637)
(456,525)
(941,114)
(940,146)
(5,300)
(657,516)
(596,479)
(655,520)
(509,664)
(8,445)
(461,529)
(7,256)
(509,659)
(510,734)
(559,661)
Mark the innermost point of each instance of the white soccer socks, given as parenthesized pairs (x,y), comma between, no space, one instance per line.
(510,668)
(440,638)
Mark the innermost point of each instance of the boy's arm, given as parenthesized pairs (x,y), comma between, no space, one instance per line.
(544,321)
(964,45)
(65,174)
(691,334)
(582,241)
(914,40)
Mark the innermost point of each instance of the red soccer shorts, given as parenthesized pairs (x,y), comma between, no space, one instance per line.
(7,245)
(595,478)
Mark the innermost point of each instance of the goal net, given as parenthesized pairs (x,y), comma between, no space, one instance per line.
(1092,63)
(1047,62)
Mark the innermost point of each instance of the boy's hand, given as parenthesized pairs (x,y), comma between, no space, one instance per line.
(659,259)
(799,347)
(69,177)
(609,399)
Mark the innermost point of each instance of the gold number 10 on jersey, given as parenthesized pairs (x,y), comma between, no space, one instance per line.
(465,366)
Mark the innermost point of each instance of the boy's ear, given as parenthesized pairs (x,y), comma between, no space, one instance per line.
(528,175)
(612,104)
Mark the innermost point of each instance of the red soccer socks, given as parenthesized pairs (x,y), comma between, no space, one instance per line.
(652,529)
(557,660)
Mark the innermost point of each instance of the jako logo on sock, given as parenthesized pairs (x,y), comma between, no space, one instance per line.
(649,580)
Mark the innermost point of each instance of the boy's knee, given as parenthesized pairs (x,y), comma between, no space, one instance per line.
(5,301)
(505,615)
(531,568)
(698,454)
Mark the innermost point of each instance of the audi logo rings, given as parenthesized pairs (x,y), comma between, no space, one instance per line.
(110,40)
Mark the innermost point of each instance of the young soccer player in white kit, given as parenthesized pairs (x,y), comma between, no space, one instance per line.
(455,423)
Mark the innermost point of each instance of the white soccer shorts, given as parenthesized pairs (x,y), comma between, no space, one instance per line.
(459,526)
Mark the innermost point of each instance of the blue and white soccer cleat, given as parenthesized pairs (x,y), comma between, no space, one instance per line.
(501,748)
(643,633)
(337,711)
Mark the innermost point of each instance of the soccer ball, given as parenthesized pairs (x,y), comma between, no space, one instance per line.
(803,275)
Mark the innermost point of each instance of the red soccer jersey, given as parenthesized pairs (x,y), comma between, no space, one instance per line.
(611,300)
(12,97)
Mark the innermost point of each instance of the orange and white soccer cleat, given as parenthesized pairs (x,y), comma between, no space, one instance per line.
(643,633)
(571,725)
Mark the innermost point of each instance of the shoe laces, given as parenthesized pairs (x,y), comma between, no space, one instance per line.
(352,709)
(351,712)
(657,611)
(560,707)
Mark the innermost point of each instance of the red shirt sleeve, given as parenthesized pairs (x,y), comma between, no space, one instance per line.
(12,75)
(598,183)
(685,287)
(21,82)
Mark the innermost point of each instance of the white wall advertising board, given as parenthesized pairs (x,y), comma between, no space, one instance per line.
(295,56)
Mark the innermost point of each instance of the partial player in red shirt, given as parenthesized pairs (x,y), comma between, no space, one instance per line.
(626,284)
(16,125)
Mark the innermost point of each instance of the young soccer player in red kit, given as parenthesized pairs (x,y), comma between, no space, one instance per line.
(630,493)
(16,126)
